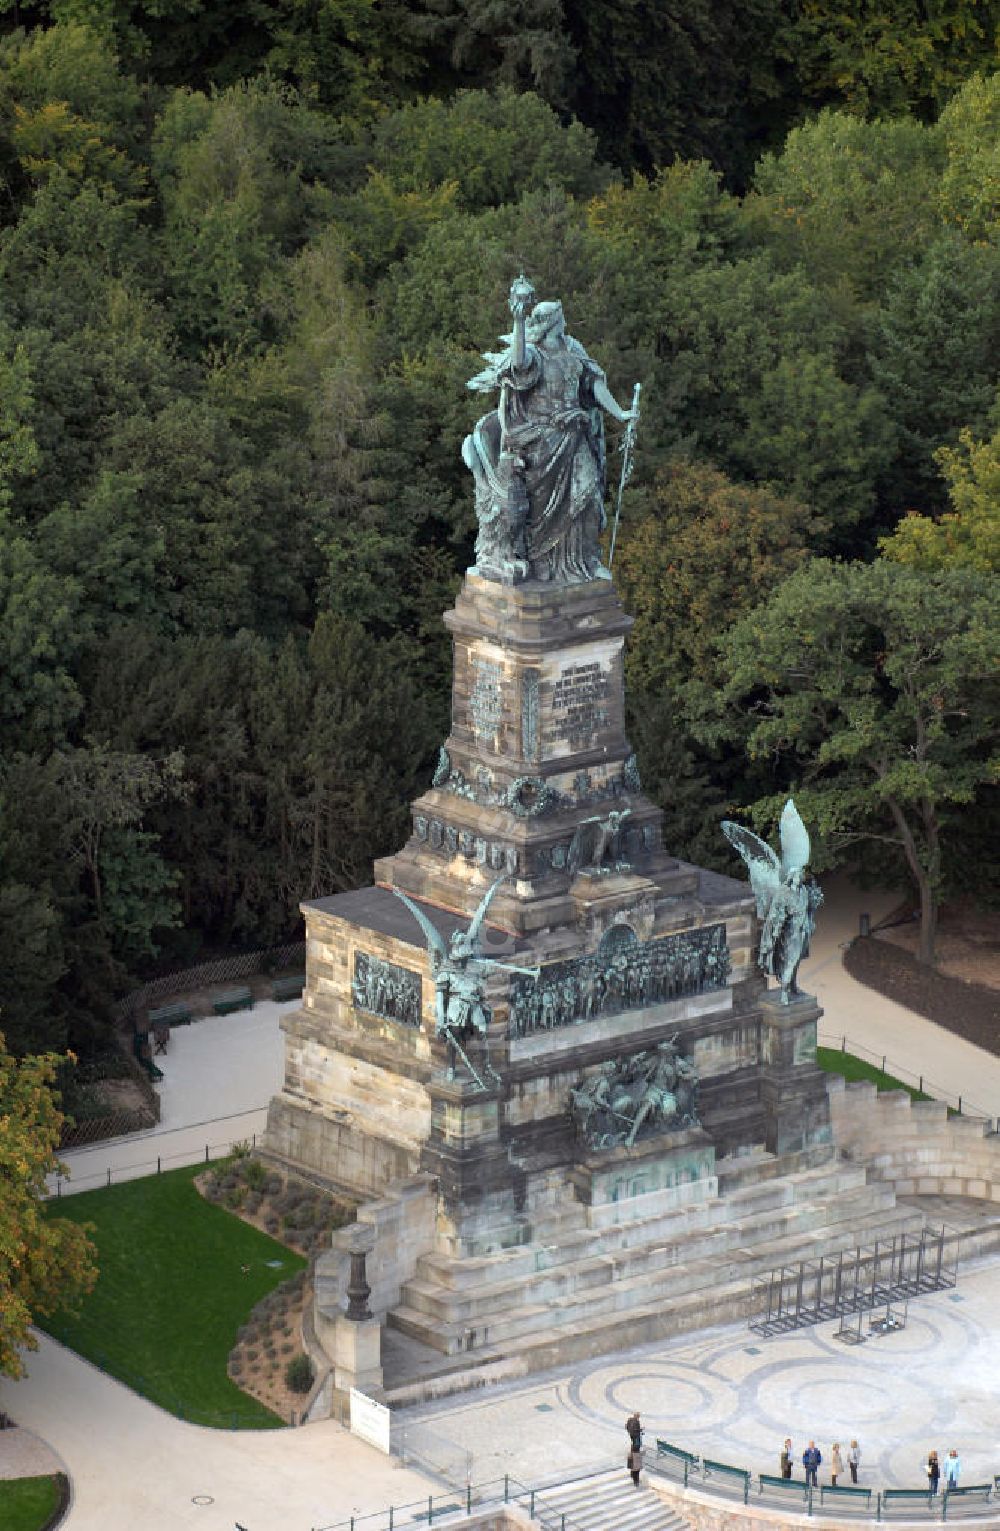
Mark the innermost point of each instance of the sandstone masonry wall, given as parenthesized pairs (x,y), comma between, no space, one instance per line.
(915,1145)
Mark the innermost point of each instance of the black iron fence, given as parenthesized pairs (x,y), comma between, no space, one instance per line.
(221,970)
(852,1282)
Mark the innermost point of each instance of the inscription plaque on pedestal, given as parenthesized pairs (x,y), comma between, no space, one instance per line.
(579,704)
(486,700)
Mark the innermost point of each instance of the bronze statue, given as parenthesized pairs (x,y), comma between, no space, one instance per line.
(539,459)
(459,970)
(787,895)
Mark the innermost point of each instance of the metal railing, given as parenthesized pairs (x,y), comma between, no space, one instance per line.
(112,1174)
(685,1468)
(725,1481)
(463,1501)
(919,1082)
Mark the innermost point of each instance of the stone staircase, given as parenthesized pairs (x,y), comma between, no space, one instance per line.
(606,1502)
(574,1291)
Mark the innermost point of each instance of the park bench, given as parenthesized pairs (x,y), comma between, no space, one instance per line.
(967,1500)
(232,999)
(144,1054)
(727,1479)
(178,1014)
(908,1500)
(772,1486)
(674,1462)
(289,987)
(846,1499)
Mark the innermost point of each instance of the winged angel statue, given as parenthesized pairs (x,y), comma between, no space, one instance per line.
(787,895)
(459,970)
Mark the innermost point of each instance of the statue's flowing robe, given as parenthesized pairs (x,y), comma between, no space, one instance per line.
(787,929)
(549,419)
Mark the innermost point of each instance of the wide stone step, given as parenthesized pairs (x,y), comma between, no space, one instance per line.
(737,1170)
(810,1188)
(552,1343)
(610,1502)
(597,1259)
(503,1318)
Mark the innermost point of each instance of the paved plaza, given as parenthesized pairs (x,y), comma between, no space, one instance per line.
(732,1396)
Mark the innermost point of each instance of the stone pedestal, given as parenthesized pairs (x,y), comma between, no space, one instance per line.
(536,785)
(792,1086)
(480,1192)
(658,1175)
(357,1354)
(537,748)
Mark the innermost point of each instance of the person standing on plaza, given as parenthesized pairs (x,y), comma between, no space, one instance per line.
(854,1460)
(836,1464)
(634,1428)
(811,1458)
(952,1468)
(635,1463)
(786,1458)
(933,1471)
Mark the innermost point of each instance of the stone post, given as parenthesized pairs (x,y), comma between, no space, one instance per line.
(357,1336)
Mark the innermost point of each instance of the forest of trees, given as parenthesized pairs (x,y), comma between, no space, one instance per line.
(249,256)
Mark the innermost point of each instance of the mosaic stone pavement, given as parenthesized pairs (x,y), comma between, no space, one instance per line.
(731,1395)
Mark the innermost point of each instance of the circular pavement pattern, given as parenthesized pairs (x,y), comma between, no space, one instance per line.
(734,1396)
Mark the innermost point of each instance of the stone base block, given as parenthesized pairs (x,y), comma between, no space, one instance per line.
(663,1174)
(357,1354)
(335,1147)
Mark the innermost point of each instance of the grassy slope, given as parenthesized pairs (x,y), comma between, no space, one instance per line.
(26,1503)
(837,1062)
(171,1294)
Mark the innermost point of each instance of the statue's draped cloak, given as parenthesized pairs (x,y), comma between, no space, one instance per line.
(549,419)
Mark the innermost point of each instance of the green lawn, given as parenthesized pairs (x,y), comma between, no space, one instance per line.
(27,1503)
(171,1295)
(852,1067)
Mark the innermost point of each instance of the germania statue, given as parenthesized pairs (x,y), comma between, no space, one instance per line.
(539,459)
(787,895)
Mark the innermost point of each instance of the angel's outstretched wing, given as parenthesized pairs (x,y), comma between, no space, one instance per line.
(794,840)
(486,381)
(761,863)
(476,924)
(435,940)
(577,857)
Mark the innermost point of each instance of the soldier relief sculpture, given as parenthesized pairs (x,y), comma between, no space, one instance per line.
(631,1098)
(626,978)
(538,460)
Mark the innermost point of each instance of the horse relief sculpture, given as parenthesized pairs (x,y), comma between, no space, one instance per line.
(787,895)
(538,459)
(631,1098)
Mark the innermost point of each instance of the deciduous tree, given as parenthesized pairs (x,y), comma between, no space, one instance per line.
(45,1262)
(873,688)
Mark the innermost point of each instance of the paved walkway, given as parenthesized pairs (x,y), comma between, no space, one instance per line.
(218,1076)
(134,1466)
(915,1044)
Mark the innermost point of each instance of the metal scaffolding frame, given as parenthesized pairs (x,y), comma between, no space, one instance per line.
(853,1281)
